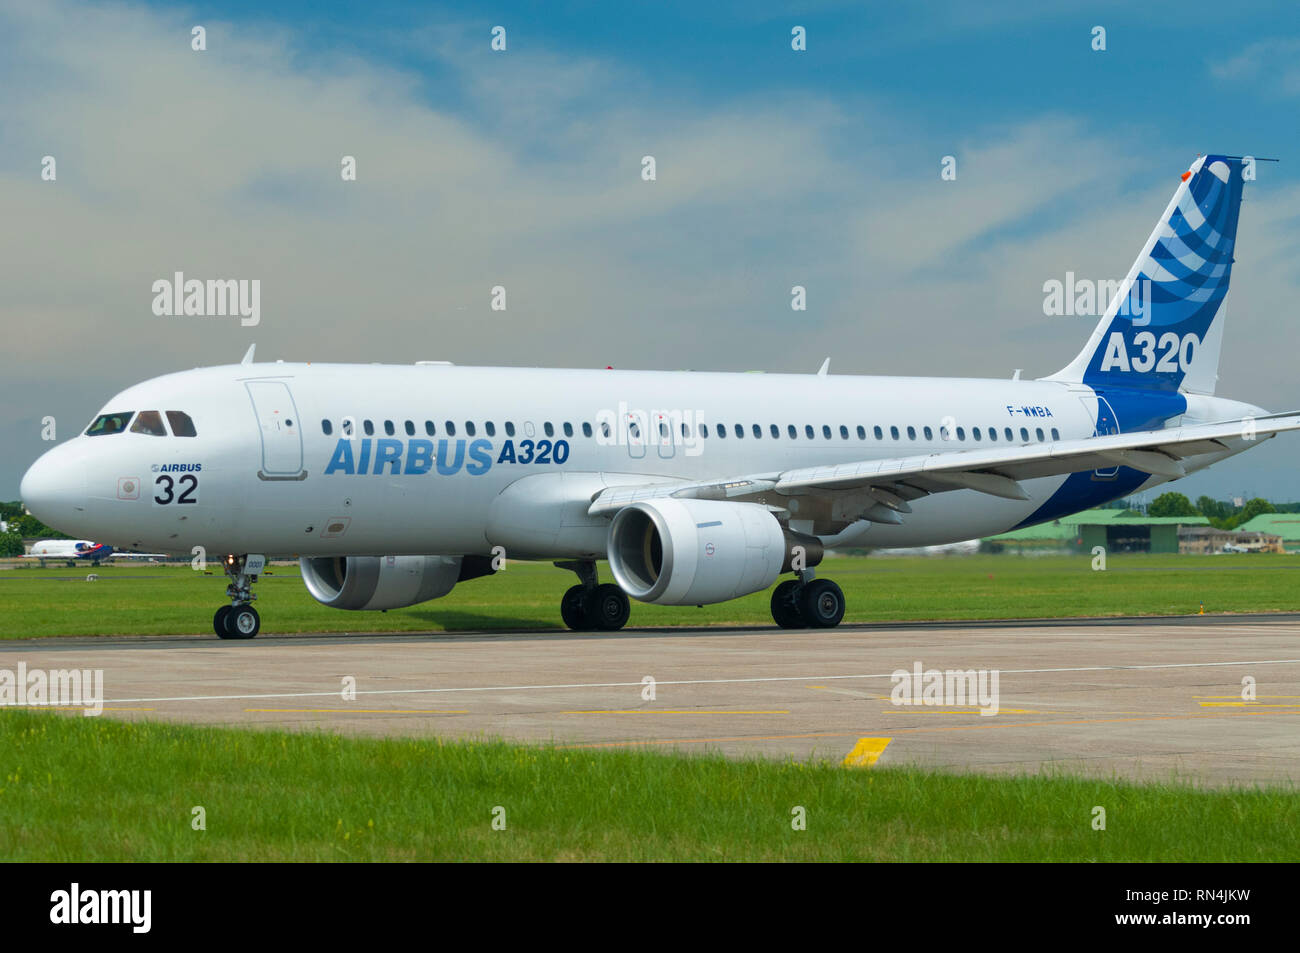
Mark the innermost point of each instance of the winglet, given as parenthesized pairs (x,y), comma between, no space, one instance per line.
(826,366)
(248,357)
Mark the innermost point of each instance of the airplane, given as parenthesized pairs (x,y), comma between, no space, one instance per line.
(394,483)
(72,549)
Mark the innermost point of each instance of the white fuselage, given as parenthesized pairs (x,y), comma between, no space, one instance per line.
(263,475)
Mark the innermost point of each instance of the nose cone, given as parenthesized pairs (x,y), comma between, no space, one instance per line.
(54,489)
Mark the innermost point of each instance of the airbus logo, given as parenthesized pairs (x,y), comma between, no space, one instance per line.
(419,456)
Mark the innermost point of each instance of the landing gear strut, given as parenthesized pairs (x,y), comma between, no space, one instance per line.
(239,620)
(591,605)
(807,603)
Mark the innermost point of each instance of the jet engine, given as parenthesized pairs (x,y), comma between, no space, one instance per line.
(386,582)
(679,552)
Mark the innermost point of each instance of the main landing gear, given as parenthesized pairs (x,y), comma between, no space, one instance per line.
(590,605)
(239,620)
(807,603)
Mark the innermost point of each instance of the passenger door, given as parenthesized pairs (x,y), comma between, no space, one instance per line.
(280,430)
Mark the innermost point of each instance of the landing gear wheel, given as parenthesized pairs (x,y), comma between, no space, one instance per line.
(821,604)
(785,605)
(242,622)
(606,608)
(219,621)
(573,609)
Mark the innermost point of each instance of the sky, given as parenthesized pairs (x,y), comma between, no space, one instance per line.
(522,168)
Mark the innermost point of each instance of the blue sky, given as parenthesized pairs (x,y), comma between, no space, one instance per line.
(775,168)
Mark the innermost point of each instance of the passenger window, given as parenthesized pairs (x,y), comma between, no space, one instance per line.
(149,422)
(961,433)
(975,432)
(1039,433)
(929,434)
(826,432)
(808,431)
(568,429)
(429,429)
(877,432)
(1006,432)
(450,427)
(993,434)
(893,432)
(604,429)
(510,429)
(491,428)
(1056,434)
(911,433)
(720,430)
(410,428)
(792,431)
(369,428)
(546,427)
(862,432)
(326,427)
(183,426)
(347,426)
(109,423)
(663,430)
(388,427)
(586,429)
(1024,435)
(469,428)
(844,432)
(758,431)
(740,431)
(686,430)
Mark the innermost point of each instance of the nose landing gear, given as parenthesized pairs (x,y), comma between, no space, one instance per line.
(239,620)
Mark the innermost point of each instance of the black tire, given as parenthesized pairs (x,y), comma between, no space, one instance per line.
(607,608)
(242,622)
(785,605)
(573,609)
(821,604)
(219,621)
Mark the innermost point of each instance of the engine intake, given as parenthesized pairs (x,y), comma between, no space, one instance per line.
(386,582)
(695,552)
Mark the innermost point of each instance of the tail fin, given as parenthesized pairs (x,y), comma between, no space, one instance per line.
(1160,331)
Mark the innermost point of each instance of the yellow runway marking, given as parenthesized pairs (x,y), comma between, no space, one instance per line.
(1249,705)
(984,724)
(929,710)
(361,711)
(672,711)
(866,752)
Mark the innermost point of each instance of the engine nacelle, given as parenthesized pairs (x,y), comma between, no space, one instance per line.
(386,582)
(694,552)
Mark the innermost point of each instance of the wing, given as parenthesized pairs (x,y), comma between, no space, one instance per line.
(879,490)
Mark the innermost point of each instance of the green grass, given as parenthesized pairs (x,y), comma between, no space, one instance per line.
(174,599)
(92,789)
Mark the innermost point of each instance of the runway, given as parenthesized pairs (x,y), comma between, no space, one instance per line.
(1139,699)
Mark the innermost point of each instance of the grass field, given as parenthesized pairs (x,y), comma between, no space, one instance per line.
(93,789)
(158,599)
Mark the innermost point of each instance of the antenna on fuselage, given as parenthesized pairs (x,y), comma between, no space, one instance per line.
(826,366)
(248,356)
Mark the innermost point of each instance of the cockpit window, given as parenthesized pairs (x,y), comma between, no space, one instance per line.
(149,422)
(182,425)
(109,423)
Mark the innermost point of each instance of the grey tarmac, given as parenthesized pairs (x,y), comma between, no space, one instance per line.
(1158,699)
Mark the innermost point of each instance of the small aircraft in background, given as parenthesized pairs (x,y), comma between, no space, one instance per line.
(74,549)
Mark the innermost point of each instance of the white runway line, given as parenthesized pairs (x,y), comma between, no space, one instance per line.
(692,681)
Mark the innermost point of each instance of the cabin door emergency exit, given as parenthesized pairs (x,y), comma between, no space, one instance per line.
(281,430)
